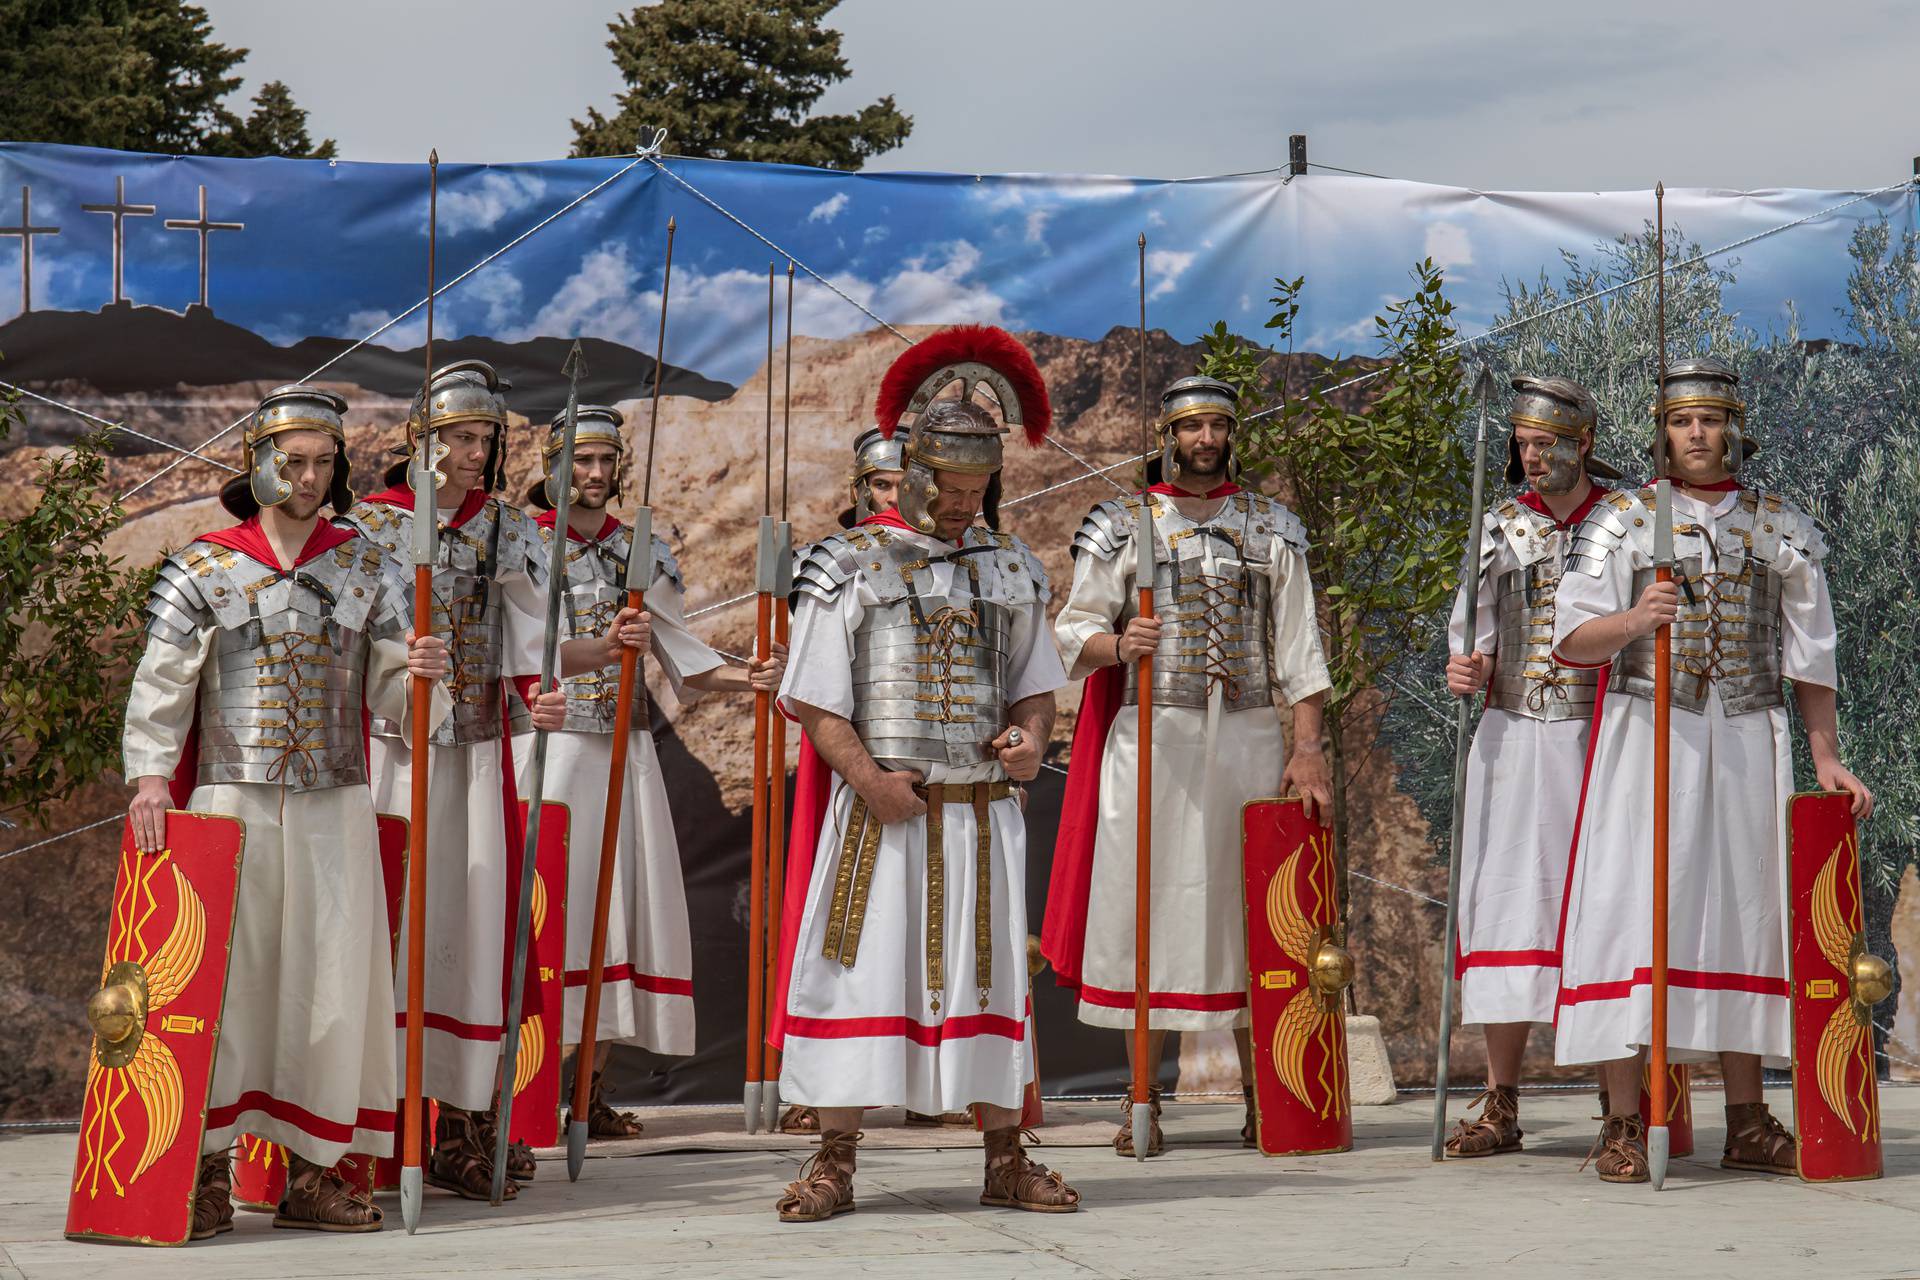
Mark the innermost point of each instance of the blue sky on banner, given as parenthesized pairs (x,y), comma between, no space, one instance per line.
(337,249)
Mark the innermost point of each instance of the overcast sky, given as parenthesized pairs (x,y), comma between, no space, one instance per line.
(1477,93)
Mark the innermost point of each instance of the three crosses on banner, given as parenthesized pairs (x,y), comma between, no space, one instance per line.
(119,211)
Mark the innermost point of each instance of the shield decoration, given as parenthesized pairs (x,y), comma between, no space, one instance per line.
(156,1020)
(536,1085)
(1297,969)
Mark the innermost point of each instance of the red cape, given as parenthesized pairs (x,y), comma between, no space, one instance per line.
(401,496)
(547,519)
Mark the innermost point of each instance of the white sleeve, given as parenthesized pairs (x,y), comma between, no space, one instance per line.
(1809,638)
(1299,668)
(820,654)
(1485,625)
(1093,607)
(160,706)
(678,652)
(389,689)
(523,628)
(1033,664)
(1582,597)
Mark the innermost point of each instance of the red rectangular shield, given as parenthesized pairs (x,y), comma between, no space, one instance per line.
(1679,1107)
(1836,1102)
(536,1085)
(163,984)
(1302,1104)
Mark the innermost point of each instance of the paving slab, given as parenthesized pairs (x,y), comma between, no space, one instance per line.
(1206,1208)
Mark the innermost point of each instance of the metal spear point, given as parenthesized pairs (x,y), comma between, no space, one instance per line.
(1462,744)
(549,658)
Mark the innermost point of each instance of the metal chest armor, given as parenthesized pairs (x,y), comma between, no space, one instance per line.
(1216,626)
(282,691)
(595,591)
(467,609)
(930,671)
(1526,679)
(1727,633)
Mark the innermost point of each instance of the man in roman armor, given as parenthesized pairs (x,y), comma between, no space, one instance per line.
(267,641)
(1234,628)
(877,468)
(921,673)
(1749,610)
(648,996)
(1529,752)
(488,585)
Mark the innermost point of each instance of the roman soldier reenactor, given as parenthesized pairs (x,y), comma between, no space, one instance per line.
(1748,610)
(1529,752)
(875,483)
(488,583)
(647,999)
(267,642)
(1234,627)
(921,672)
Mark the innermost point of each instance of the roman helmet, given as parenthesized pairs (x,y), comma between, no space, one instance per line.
(595,424)
(955,433)
(1187,398)
(1706,380)
(872,451)
(294,407)
(464,391)
(1568,410)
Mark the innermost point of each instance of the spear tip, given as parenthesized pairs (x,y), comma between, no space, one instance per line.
(669,224)
(433,158)
(1659,191)
(1483,385)
(789,268)
(1143,239)
(576,365)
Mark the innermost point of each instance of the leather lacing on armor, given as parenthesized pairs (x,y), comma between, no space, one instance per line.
(1718,588)
(947,628)
(1220,598)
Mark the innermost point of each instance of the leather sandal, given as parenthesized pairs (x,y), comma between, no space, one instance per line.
(521,1165)
(1757,1142)
(824,1188)
(462,1161)
(800,1120)
(318,1199)
(1123,1139)
(1497,1130)
(1621,1149)
(1016,1182)
(603,1121)
(947,1119)
(213,1197)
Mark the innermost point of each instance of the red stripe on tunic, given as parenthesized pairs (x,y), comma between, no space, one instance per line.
(645,981)
(1506,960)
(451,1025)
(300,1118)
(1752,983)
(960,1027)
(1205,1001)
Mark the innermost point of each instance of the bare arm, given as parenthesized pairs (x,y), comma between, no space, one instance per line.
(753,676)
(1595,642)
(1819,709)
(1033,717)
(888,794)
(1307,770)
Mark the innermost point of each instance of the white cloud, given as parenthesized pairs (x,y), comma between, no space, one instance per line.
(830,208)
(1164,269)
(874,235)
(1449,245)
(1155,218)
(1037,220)
(479,205)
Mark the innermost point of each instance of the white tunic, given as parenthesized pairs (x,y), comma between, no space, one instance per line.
(305,1056)
(1730,780)
(1206,765)
(646,997)
(1523,789)
(467,947)
(867,1035)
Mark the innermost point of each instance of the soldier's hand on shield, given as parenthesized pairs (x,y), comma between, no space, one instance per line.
(426,656)
(1467,673)
(765,677)
(148,813)
(549,709)
(631,629)
(1141,637)
(1019,754)
(1657,607)
(1307,773)
(890,798)
(1835,776)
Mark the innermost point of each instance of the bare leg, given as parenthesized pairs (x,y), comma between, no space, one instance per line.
(1506,1050)
(602,1054)
(992,1117)
(1621,1079)
(1243,1045)
(1156,1052)
(840,1119)
(1741,1072)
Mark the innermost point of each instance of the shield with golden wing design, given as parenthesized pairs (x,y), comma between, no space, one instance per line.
(156,1021)
(1836,983)
(1297,971)
(536,1085)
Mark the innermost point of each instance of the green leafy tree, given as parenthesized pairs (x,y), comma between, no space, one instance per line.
(1380,485)
(737,80)
(69,631)
(137,75)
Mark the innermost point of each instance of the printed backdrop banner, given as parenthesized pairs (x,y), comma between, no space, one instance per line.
(166,293)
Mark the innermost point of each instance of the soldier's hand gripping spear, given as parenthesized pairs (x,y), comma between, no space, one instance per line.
(1462,743)
(638,578)
(562,495)
(1141,1117)
(425,480)
(1657,1135)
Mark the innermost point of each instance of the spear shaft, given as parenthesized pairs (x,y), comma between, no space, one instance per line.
(1658,1138)
(1144,1071)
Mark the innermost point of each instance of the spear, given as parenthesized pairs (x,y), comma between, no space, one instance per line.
(426,481)
(1143,1071)
(1657,1135)
(766,580)
(639,577)
(562,495)
(1462,741)
(777,778)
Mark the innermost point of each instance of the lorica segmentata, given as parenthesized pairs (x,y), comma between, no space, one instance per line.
(1526,679)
